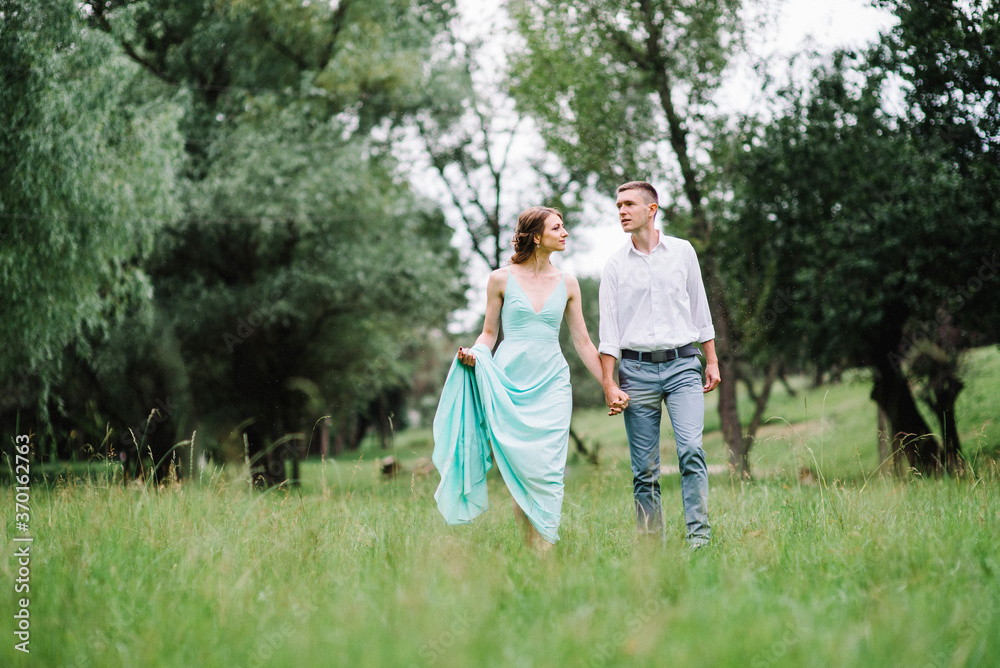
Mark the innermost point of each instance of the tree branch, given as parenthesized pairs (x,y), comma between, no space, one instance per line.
(336,27)
(439,166)
(281,48)
(100,20)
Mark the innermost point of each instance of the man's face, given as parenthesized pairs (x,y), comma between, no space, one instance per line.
(633,210)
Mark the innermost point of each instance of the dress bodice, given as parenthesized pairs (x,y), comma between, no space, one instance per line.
(520,321)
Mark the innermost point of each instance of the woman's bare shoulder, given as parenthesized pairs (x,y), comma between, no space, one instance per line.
(498,280)
(498,275)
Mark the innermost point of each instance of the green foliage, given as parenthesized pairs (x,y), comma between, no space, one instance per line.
(850,225)
(948,53)
(312,264)
(597,77)
(855,235)
(216,181)
(89,174)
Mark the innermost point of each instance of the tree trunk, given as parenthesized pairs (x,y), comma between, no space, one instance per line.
(784,381)
(883,439)
(324,438)
(943,399)
(910,433)
(729,418)
(760,404)
(732,430)
(581,447)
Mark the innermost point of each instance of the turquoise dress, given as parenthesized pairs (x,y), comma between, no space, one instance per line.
(520,401)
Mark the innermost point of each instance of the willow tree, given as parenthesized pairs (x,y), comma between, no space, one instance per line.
(304,271)
(216,181)
(87,176)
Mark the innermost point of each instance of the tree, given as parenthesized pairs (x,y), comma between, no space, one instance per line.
(870,232)
(261,253)
(618,88)
(307,299)
(948,54)
(88,173)
(469,134)
(303,268)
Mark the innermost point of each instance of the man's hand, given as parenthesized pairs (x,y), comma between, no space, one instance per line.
(616,400)
(712,377)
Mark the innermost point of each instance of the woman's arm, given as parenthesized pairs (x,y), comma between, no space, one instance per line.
(491,324)
(615,398)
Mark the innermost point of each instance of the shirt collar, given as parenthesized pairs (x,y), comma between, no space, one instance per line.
(659,243)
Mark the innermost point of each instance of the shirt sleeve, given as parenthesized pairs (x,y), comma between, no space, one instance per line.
(608,301)
(701,316)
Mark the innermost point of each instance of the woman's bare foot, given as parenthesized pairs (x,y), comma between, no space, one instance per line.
(532,538)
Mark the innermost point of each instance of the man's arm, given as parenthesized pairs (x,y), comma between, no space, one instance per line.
(701,315)
(614,396)
(607,299)
(610,340)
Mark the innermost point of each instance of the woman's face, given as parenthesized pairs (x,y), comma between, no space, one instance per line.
(553,235)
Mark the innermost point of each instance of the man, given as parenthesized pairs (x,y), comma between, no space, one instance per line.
(653,309)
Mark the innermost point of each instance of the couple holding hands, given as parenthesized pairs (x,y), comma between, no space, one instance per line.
(653,308)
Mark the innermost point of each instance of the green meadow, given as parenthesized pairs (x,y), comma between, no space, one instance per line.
(823,559)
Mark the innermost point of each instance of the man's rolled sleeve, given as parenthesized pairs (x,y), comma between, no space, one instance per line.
(701,316)
(608,300)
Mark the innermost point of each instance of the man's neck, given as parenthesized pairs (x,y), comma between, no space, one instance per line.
(645,240)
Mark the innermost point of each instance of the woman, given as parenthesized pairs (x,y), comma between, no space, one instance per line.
(520,401)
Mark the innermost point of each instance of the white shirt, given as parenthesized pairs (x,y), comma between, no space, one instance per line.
(655,301)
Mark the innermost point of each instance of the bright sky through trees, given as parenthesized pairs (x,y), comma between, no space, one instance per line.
(801,25)
(795,26)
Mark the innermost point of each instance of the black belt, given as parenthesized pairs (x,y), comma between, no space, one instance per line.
(661,355)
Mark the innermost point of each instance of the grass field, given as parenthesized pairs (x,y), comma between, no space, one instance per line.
(355,570)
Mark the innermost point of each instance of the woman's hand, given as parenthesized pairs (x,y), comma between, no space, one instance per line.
(616,399)
(466,357)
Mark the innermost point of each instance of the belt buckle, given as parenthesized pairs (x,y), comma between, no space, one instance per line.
(660,355)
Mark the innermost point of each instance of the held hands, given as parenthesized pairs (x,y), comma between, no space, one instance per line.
(466,357)
(616,399)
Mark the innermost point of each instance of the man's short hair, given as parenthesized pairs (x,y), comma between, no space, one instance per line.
(648,191)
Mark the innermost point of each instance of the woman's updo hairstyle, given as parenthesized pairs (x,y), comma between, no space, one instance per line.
(530,223)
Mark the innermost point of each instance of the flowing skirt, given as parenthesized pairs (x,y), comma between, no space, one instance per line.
(521,403)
